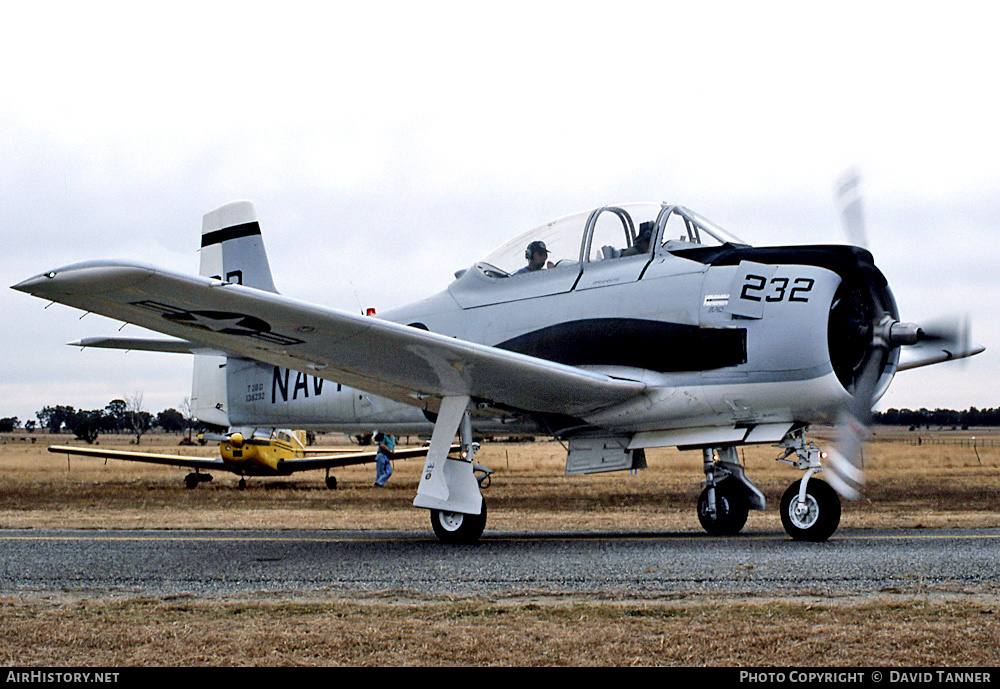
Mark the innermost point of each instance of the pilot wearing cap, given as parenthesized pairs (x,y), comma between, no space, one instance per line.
(536,253)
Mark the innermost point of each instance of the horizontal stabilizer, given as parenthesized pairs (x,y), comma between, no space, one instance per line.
(147,345)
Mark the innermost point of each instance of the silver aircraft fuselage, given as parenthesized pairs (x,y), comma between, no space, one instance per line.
(723,335)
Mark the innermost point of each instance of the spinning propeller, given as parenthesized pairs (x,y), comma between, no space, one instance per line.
(874,335)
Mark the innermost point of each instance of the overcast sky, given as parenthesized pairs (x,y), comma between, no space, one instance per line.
(387,145)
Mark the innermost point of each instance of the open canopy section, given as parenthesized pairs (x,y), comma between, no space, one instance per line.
(680,228)
(607,232)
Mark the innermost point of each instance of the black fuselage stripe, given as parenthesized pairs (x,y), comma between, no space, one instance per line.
(639,343)
(235,232)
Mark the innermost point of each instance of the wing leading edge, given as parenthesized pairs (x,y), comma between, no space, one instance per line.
(403,363)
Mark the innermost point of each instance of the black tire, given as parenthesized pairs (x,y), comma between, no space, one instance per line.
(455,527)
(731,509)
(191,481)
(822,517)
(331,482)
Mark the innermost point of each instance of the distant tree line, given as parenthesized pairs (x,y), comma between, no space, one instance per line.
(938,417)
(119,416)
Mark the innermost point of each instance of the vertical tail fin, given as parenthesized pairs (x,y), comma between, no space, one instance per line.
(209,403)
(232,248)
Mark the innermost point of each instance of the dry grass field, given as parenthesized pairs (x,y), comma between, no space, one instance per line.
(927,485)
(938,483)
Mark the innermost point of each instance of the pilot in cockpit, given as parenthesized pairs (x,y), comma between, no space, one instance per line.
(536,253)
(641,245)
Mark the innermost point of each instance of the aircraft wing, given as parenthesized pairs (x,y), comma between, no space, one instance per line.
(390,359)
(148,457)
(343,459)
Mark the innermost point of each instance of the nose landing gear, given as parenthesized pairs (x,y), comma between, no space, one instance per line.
(810,508)
(810,511)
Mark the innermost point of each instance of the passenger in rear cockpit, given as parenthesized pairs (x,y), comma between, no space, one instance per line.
(641,245)
(536,253)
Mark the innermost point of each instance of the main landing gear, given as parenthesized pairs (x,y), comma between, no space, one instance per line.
(192,480)
(457,527)
(728,495)
(450,487)
(810,508)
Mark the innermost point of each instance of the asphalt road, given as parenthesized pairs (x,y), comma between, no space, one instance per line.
(236,563)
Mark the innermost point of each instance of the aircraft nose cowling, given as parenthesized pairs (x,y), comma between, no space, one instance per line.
(83,278)
(861,337)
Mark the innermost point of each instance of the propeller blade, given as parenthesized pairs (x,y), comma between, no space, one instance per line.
(214,437)
(843,471)
(852,216)
(843,464)
(954,330)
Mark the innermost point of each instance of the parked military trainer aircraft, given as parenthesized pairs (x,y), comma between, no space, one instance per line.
(632,327)
(249,452)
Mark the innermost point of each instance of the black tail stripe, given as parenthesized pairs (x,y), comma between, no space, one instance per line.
(235,232)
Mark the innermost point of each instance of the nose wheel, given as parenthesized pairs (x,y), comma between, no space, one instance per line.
(810,508)
(812,514)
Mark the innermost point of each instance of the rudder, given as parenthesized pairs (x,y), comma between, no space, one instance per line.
(232,248)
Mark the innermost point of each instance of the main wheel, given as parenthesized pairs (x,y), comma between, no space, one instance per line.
(456,527)
(818,518)
(731,509)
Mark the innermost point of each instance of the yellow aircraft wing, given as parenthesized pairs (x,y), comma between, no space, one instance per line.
(149,457)
(343,459)
(283,467)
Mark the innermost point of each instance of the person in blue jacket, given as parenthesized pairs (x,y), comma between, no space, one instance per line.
(383,463)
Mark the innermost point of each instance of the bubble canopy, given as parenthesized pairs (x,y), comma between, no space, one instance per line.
(610,232)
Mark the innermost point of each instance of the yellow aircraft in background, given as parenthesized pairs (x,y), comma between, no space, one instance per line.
(265,452)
